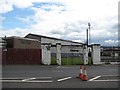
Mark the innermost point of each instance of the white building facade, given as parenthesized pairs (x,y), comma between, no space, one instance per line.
(63,50)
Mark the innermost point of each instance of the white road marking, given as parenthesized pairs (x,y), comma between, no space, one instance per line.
(28,79)
(24,78)
(63,79)
(10,80)
(41,81)
(94,78)
(107,80)
(45,81)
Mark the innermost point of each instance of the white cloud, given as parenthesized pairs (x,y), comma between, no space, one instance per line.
(111,41)
(69,21)
(103,34)
(81,10)
(5,6)
(14,32)
(91,10)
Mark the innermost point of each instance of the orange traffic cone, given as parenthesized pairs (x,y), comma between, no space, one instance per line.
(84,78)
(80,74)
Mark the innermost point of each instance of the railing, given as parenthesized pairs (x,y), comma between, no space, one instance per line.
(110,59)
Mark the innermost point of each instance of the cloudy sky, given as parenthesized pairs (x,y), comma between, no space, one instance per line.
(65,19)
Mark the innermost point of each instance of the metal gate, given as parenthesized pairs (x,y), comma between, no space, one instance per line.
(71,55)
(53,55)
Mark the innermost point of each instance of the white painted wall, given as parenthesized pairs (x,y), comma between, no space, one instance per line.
(46,55)
(96,54)
(58,54)
(66,49)
(85,54)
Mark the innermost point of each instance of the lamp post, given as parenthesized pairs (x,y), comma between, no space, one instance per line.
(87,36)
(89,33)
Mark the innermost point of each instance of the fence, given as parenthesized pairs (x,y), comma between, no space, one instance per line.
(70,55)
(53,55)
(110,58)
(21,56)
(72,58)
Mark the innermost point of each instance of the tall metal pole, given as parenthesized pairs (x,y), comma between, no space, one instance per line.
(87,36)
(89,32)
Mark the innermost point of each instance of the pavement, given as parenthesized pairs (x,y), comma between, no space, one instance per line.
(53,76)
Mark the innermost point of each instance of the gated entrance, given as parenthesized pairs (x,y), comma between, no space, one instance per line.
(72,55)
(53,55)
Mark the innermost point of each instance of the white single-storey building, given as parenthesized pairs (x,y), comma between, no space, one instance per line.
(65,51)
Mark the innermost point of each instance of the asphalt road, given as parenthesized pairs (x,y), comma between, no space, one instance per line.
(21,76)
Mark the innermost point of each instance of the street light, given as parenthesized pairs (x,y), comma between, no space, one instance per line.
(87,36)
(89,32)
